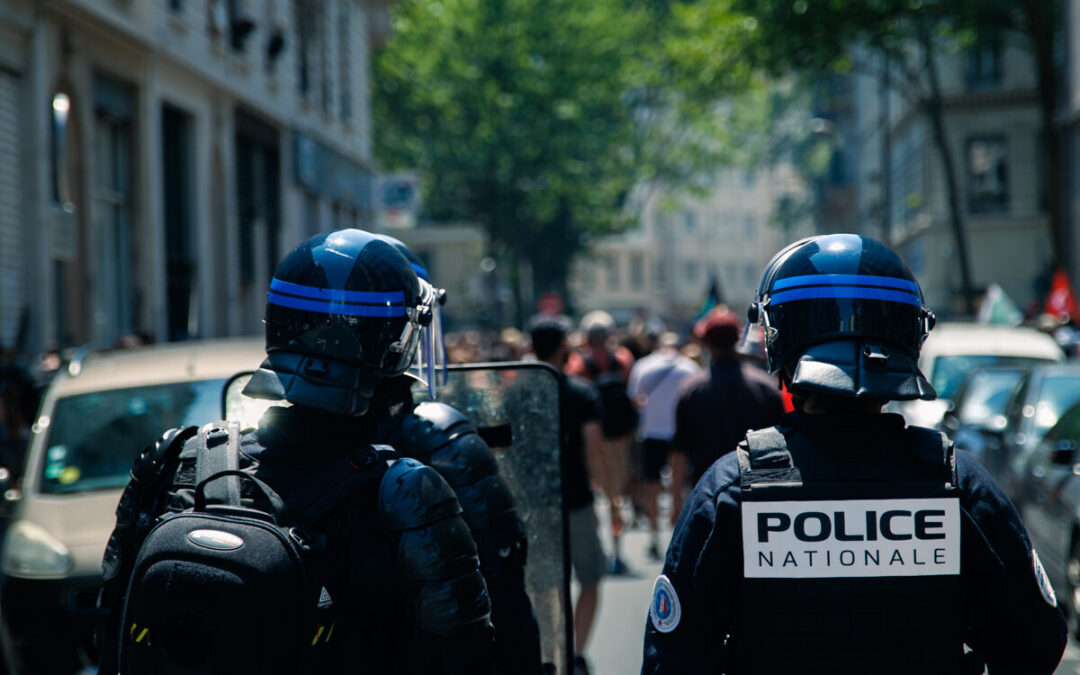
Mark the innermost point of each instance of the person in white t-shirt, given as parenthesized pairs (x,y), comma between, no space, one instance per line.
(654,385)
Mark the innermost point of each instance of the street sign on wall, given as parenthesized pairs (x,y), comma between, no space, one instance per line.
(398,199)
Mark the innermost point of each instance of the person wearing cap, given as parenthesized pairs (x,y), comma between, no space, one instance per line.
(716,407)
(654,386)
(843,541)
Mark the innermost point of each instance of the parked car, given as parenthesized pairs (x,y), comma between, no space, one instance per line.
(955,349)
(976,419)
(94,419)
(1049,503)
(1043,394)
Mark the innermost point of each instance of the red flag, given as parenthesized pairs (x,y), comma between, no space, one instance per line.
(1062,299)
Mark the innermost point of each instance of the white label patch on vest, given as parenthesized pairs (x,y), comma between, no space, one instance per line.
(1044,581)
(851,538)
(665,610)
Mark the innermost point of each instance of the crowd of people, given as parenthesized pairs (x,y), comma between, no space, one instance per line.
(644,407)
(429,531)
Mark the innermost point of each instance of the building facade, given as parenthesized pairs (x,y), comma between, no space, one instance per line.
(157,158)
(991,119)
(684,244)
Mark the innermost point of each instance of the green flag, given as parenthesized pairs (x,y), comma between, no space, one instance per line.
(997,308)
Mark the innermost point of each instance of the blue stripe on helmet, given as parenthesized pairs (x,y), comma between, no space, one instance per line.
(846,280)
(335,295)
(420,271)
(334,307)
(852,292)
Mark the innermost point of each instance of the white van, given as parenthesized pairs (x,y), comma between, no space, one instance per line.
(955,349)
(95,418)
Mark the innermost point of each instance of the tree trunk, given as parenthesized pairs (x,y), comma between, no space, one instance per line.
(886,158)
(517,286)
(935,111)
(1039,16)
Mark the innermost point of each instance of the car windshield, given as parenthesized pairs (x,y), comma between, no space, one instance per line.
(94,438)
(986,397)
(1056,395)
(949,371)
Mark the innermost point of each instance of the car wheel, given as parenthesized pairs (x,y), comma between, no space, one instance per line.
(1072,578)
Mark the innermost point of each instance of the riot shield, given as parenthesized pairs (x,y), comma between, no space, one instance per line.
(516,408)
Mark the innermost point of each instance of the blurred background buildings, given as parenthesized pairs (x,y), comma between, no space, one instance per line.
(158,157)
(991,118)
(185,142)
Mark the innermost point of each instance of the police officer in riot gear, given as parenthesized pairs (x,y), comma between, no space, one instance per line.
(442,437)
(345,311)
(842,541)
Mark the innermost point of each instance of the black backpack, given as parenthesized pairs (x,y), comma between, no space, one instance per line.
(225,588)
(619,415)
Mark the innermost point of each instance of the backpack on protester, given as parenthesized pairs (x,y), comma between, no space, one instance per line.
(619,416)
(226,588)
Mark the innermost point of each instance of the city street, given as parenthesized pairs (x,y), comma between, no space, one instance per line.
(615,647)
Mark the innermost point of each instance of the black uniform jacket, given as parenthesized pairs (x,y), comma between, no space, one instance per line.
(1012,620)
(376,625)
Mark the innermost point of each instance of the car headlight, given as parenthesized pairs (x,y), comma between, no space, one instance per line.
(31,552)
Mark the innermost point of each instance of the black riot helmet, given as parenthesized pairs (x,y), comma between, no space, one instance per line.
(417,264)
(843,315)
(345,309)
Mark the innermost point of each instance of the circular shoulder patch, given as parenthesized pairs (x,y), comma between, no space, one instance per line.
(1044,581)
(665,610)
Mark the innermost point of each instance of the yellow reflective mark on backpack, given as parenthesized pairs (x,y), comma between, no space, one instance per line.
(143,634)
(318,634)
(330,632)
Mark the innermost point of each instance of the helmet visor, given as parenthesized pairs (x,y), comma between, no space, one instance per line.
(426,324)
(439,354)
(794,325)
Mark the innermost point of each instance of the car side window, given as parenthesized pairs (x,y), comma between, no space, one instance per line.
(1067,429)
(1016,403)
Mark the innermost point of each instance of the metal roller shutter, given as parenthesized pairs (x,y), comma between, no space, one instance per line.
(11,255)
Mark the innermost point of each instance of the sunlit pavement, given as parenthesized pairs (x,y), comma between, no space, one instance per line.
(1070,664)
(615,646)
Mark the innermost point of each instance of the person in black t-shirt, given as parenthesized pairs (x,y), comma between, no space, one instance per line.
(716,407)
(582,453)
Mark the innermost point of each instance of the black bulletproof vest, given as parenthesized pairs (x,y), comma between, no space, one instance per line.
(849,624)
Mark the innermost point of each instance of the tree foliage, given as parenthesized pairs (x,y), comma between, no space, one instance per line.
(514,112)
(903,39)
(538,118)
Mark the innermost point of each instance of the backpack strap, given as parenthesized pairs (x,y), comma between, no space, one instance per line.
(765,460)
(152,471)
(219,450)
(935,447)
(337,480)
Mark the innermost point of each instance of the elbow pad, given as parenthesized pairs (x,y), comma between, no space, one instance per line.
(434,548)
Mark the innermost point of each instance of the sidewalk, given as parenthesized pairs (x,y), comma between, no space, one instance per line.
(615,645)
